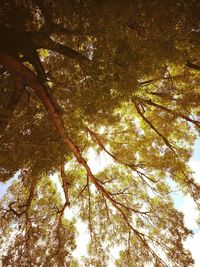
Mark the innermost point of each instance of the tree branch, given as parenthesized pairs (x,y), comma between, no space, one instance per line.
(96,138)
(16,68)
(161,78)
(153,127)
(168,110)
(65,184)
(193,66)
(45,42)
(26,205)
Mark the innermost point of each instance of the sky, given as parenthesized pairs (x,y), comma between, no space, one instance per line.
(182,203)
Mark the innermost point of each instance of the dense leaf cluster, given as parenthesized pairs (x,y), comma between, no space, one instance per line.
(115,77)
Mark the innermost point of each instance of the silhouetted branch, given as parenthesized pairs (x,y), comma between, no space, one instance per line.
(153,127)
(65,184)
(45,42)
(168,110)
(193,66)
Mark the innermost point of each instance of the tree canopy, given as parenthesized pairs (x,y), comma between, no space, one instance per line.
(115,77)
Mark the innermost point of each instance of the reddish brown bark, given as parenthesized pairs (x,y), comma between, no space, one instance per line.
(17,69)
(28,78)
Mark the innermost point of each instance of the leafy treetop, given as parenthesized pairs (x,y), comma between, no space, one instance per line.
(119,77)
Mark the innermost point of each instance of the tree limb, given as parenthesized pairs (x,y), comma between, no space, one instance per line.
(153,127)
(45,42)
(193,66)
(16,68)
(65,184)
(168,110)
(96,138)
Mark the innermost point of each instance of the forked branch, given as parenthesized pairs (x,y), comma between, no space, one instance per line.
(153,127)
(168,110)
(16,68)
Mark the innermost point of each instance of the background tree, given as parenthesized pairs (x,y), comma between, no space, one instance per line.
(117,76)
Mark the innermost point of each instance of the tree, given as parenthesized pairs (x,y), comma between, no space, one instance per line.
(43,238)
(119,77)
